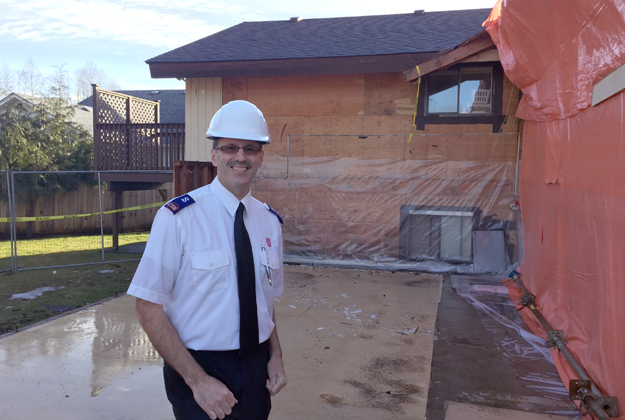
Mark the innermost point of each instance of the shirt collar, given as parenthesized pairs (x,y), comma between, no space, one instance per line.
(227,199)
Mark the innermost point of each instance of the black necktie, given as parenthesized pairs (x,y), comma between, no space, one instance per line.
(248,332)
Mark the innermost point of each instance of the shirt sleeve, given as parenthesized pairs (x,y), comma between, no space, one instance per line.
(278,281)
(160,264)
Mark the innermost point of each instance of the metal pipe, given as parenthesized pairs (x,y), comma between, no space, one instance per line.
(13,225)
(555,339)
(12,221)
(516,173)
(593,406)
(561,345)
(77,265)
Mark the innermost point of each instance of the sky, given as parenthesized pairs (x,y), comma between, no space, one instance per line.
(120,35)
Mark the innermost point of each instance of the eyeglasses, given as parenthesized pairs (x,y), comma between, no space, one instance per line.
(232,149)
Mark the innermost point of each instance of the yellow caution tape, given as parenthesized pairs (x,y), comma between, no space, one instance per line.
(71,216)
(416,104)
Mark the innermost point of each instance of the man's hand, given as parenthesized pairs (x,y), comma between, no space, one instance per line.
(277,376)
(214,397)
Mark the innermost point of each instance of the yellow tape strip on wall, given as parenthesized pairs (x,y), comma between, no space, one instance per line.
(71,216)
(416,105)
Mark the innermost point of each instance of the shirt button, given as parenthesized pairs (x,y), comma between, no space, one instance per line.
(212,264)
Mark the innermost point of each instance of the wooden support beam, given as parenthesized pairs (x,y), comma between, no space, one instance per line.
(450,58)
(117,218)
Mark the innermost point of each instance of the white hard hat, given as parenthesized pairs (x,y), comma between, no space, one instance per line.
(239,120)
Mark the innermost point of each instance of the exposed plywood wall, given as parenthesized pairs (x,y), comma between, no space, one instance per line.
(343,195)
(368,105)
(203,99)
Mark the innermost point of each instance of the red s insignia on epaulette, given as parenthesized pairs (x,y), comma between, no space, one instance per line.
(172,206)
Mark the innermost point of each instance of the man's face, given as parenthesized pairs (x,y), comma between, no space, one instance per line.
(237,170)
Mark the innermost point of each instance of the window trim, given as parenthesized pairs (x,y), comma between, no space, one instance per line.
(497,119)
(458,72)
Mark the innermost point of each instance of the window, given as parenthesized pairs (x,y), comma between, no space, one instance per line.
(464,91)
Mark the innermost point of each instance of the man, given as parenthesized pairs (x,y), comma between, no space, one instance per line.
(206,283)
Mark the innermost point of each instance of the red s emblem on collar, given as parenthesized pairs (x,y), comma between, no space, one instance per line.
(268,242)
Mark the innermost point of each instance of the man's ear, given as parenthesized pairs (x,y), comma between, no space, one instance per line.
(214,157)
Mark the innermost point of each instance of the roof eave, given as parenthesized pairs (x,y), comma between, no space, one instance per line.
(472,46)
(291,67)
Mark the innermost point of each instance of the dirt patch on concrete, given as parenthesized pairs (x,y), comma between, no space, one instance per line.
(381,387)
(357,344)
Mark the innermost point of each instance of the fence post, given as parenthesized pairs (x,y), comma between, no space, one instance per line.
(128,133)
(101,215)
(117,217)
(13,221)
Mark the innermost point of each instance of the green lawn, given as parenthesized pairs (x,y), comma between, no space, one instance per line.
(75,286)
(43,246)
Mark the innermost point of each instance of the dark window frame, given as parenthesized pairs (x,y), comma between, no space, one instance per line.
(497,118)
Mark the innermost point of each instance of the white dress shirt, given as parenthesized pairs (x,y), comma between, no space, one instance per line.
(189,267)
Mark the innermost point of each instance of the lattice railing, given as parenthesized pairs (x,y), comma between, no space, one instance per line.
(141,146)
(127,135)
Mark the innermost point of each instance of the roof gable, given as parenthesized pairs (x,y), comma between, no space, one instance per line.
(81,115)
(333,37)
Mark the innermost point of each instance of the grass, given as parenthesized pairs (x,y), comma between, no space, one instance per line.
(74,286)
(42,246)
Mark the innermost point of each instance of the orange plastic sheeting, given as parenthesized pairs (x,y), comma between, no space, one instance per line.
(555,51)
(572,190)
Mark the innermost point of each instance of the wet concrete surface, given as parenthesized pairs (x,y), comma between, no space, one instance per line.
(481,358)
(95,364)
(358,345)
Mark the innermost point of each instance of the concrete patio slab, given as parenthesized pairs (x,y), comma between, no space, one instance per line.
(463,411)
(358,344)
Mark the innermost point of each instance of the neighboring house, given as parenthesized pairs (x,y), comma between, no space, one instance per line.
(351,183)
(82,115)
(172,102)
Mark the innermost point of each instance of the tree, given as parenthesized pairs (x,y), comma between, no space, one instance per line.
(31,80)
(90,74)
(58,83)
(6,80)
(44,139)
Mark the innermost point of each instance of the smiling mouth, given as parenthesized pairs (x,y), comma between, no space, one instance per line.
(239,166)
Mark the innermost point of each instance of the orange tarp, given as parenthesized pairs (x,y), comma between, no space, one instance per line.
(572,180)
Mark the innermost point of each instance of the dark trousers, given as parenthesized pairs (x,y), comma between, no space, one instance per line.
(246,378)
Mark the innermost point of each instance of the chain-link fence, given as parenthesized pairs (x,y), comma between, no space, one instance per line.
(57,219)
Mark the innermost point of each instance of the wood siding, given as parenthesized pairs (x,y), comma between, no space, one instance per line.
(202,100)
(451,166)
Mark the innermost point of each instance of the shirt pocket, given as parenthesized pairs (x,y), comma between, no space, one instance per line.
(269,263)
(210,270)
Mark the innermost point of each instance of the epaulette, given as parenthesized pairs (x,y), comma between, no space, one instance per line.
(178,203)
(274,212)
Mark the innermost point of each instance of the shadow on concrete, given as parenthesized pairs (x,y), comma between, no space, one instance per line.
(136,248)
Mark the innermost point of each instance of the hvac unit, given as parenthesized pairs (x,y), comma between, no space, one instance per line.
(437,233)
